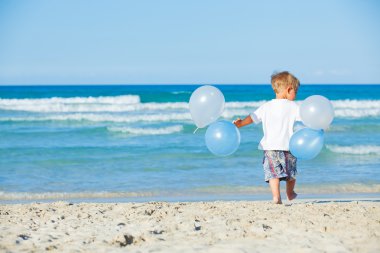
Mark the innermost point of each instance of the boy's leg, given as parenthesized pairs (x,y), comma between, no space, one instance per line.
(275,187)
(290,189)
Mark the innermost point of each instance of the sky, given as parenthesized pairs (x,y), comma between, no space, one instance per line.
(188,42)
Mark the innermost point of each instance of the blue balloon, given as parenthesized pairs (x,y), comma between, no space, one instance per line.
(222,138)
(306,143)
(298,125)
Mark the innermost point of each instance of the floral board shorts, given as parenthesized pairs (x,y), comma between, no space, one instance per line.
(279,164)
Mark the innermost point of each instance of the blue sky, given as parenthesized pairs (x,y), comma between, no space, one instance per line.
(188,42)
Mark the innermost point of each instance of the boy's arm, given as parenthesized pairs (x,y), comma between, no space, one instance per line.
(243,122)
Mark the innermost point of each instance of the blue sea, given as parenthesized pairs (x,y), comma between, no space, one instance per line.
(136,143)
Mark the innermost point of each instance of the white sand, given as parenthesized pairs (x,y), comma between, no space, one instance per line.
(241,226)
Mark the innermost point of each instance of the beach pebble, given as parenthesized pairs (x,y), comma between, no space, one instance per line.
(123,240)
(197,225)
(157,232)
(51,247)
(149,212)
(266,227)
(24,237)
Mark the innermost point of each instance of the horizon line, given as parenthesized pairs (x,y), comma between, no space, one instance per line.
(152,84)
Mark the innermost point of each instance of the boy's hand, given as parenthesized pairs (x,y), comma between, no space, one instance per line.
(243,122)
(237,122)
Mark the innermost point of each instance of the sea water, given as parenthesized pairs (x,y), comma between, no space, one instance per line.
(136,142)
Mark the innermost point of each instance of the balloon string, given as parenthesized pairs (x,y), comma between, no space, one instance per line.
(195,130)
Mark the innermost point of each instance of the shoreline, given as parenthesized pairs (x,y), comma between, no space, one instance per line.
(375,196)
(332,225)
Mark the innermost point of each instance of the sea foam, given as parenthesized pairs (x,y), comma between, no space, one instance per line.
(147,131)
(355,150)
(72,104)
(102,109)
(159,117)
(203,191)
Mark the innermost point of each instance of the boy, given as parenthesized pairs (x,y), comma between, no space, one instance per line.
(278,117)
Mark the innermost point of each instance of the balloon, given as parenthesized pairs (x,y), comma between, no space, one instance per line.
(305,144)
(317,112)
(298,125)
(222,138)
(206,105)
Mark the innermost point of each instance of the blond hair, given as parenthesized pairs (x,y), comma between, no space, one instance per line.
(283,80)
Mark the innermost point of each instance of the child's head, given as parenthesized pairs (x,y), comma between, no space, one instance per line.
(285,84)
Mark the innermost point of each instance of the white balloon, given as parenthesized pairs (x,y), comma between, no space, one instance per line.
(206,105)
(317,112)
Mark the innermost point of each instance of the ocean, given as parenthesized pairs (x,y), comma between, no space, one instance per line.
(136,143)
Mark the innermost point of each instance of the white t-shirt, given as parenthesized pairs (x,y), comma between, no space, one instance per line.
(278,117)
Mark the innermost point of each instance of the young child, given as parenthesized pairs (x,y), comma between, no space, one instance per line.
(278,117)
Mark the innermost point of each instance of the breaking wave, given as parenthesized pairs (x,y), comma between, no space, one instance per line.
(160,117)
(354,150)
(147,131)
(72,104)
(70,195)
(121,108)
(351,188)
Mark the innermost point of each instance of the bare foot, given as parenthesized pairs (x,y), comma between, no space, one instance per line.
(292,196)
(277,201)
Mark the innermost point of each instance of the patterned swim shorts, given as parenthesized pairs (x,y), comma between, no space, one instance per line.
(279,164)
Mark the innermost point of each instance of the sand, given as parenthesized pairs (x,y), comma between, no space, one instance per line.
(222,226)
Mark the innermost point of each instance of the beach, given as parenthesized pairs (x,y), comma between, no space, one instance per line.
(118,168)
(217,226)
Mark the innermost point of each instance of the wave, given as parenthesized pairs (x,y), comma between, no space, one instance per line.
(125,103)
(356,108)
(356,104)
(180,92)
(72,104)
(357,128)
(240,105)
(304,189)
(351,188)
(147,131)
(355,150)
(95,107)
(71,195)
(159,117)
(357,113)
(68,107)
(143,116)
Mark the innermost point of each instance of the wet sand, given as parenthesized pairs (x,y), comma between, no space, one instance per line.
(221,226)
